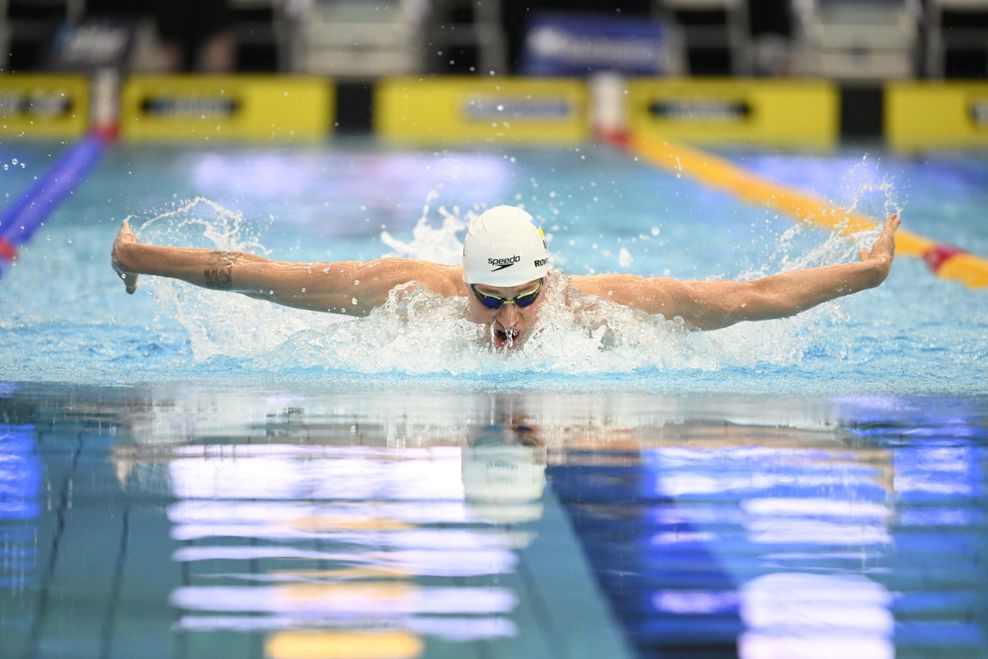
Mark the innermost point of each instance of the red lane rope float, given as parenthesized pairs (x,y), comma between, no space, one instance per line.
(7,250)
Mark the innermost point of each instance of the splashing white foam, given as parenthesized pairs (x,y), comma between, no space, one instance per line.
(218,323)
(420,332)
(437,244)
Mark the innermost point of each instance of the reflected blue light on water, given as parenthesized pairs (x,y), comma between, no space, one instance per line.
(20,473)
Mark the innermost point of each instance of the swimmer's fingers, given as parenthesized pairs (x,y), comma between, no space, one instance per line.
(126,233)
(884,247)
(125,237)
(129,280)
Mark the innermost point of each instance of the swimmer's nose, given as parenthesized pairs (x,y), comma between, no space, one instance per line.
(508,315)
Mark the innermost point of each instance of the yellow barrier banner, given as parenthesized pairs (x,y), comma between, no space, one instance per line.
(783,113)
(484,110)
(44,106)
(226,108)
(944,115)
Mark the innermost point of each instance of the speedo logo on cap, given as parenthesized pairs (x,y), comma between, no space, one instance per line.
(501,264)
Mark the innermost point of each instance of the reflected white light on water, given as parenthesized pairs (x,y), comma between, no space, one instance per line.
(683,602)
(377,599)
(441,562)
(273,471)
(349,514)
(815,507)
(787,530)
(791,614)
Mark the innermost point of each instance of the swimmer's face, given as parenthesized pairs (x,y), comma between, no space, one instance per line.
(511,323)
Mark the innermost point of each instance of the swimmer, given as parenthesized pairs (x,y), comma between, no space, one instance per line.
(504,277)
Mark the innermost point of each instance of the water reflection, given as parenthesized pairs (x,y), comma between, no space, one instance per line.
(410,530)
(414,524)
(20,487)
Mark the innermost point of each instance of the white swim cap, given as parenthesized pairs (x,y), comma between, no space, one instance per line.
(504,247)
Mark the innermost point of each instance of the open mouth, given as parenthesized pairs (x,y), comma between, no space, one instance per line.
(506,338)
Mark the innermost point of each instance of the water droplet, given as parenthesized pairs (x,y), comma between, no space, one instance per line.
(353,300)
(356,282)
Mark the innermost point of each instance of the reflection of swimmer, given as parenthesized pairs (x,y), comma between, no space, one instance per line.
(505,277)
(503,470)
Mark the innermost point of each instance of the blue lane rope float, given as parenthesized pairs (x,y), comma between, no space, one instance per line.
(27,213)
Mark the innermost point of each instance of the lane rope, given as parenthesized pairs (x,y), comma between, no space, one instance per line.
(26,214)
(947,261)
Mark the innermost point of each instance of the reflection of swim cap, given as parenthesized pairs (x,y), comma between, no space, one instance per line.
(503,483)
(504,247)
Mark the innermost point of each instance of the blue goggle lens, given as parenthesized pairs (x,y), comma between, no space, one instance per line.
(496,301)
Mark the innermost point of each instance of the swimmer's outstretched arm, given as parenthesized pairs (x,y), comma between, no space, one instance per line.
(714,304)
(353,288)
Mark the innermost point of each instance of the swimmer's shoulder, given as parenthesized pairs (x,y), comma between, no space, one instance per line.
(447,280)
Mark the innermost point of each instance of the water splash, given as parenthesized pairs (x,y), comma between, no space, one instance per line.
(419,332)
(438,244)
(201,219)
(218,323)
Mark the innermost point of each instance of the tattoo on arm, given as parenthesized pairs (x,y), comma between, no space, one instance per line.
(218,273)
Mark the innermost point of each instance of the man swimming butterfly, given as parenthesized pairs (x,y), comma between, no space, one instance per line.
(505,277)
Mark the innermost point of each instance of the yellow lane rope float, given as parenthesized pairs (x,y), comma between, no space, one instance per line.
(946,261)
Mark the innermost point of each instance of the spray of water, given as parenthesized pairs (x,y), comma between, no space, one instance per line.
(420,332)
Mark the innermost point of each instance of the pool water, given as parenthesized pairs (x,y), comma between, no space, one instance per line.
(65,319)
(191,473)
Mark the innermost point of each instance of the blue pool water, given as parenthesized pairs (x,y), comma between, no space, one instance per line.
(66,321)
(188,473)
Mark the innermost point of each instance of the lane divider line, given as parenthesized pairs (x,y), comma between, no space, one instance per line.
(947,261)
(27,213)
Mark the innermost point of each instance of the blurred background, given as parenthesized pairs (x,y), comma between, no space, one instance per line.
(837,39)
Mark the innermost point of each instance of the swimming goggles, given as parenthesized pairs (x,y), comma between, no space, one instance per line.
(524,299)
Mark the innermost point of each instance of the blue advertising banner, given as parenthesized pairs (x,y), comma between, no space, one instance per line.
(567,44)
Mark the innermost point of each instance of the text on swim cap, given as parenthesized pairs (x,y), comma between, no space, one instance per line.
(541,262)
(501,264)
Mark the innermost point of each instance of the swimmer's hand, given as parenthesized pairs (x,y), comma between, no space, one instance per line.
(883,251)
(125,238)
